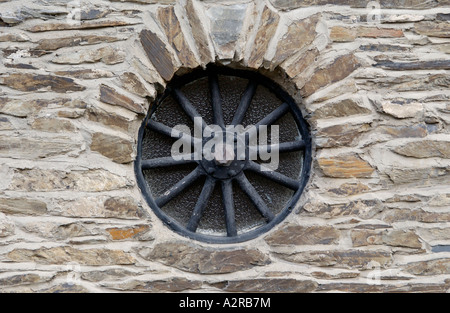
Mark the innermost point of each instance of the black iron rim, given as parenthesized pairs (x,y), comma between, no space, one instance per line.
(289,106)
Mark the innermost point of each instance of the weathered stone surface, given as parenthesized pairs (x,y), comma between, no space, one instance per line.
(340,135)
(86,74)
(111,96)
(339,258)
(7,227)
(132,83)
(37,147)
(53,180)
(433,29)
(384,4)
(109,119)
(22,206)
(340,275)
(345,167)
(108,274)
(414,175)
(418,215)
(402,108)
(291,42)
(440,200)
(100,207)
(64,288)
(64,255)
(107,55)
(195,259)
(25,108)
(420,65)
(384,288)
(414,83)
(158,54)
(341,68)
(267,28)
(127,233)
(24,279)
(44,27)
(173,284)
(199,33)
(346,34)
(296,66)
(31,82)
(56,231)
(350,189)
(425,149)
(53,125)
(226,27)
(118,149)
(57,43)
(395,238)
(304,235)
(5,123)
(172,27)
(268,285)
(430,267)
(361,208)
(413,131)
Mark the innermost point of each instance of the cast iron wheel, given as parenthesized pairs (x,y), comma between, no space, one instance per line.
(223,198)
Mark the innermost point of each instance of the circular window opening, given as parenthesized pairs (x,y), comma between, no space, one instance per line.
(223,155)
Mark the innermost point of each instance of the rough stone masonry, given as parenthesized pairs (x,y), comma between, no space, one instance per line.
(372,80)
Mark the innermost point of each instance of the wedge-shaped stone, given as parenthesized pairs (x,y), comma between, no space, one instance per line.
(267,28)
(172,27)
(158,54)
(118,149)
(111,96)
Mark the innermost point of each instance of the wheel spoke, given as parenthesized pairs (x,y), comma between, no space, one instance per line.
(201,204)
(171,132)
(273,176)
(179,187)
(216,100)
(282,147)
(256,199)
(167,162)
(245,103)
(228,203)
(274,115)
(187,106)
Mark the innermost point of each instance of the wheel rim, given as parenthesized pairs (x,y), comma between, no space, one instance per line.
(223,175)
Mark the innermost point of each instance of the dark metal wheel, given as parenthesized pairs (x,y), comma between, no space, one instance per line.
(228,196)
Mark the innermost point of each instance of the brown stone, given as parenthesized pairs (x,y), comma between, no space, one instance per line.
(53,180)
(267,28)
(64,255)
(86,74)
(117,149)
(171,26)
(297,65)
(345,167)
(418,215)
(31,82)
(37,147)
(108,274)
(384,4)
(350,189)
(402,108)
(338,70)
(340,135)
(199,34)
(121,207)
(414,131)
(195,259)
(304,235)
(53,125)
(346,34)
(424,175)
(291,42)
(329,276)
(173,284)
(109,119)
(22,206)
(158,54)
(132,83)
(364,209)
(425,149)
(433,29)
(339,258)
(430,267)
(273,285)
(111,96)
(395,238)
(57,43)
(44,27)
(107,55)
(127,233)
(24,279)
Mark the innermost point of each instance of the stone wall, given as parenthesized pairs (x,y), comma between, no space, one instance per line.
(77,78)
